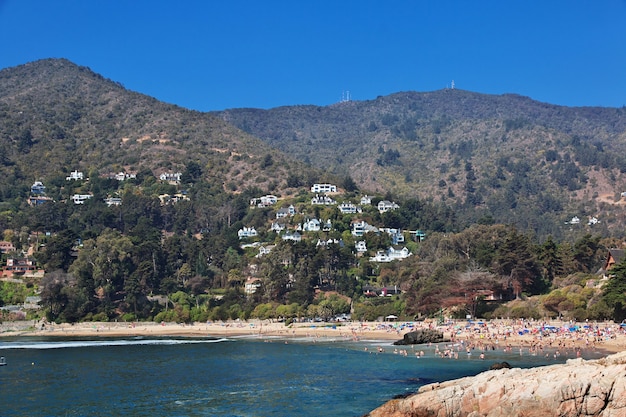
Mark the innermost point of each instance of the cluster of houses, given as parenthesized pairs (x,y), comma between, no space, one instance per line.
(358,227)
(592,220)
(38,190)
(15,270)
(17,267)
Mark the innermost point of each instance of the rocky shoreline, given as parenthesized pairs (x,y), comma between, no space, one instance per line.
(576,388)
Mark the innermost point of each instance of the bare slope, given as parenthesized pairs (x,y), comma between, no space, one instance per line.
(56,116)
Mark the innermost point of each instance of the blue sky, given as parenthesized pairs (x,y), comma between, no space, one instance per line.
(212,55)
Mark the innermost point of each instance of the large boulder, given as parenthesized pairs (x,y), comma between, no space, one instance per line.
(421,336)
(577,388)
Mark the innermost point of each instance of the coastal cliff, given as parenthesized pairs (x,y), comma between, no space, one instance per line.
(576,388)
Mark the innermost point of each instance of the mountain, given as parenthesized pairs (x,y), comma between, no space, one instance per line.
(493,159)
(505,158)
(56,117)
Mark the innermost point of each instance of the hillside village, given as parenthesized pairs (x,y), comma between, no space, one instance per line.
(285,223)
(360,231)
(446,202)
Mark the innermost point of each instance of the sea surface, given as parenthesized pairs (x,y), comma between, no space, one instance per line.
(223,377)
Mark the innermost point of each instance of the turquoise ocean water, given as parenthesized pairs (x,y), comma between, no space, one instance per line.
(221,377)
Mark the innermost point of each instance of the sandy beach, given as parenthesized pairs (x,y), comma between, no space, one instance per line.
(492,335)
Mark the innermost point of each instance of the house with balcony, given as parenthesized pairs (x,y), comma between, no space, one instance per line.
(385,206)
(38,188)
(81,198)
(359,228)
(323,188)
(264,201)
(366,200)
(20,267)
(37,200)
(172,199)
(247,232)
(252,285)
(122,176)
(278,227)
(264,250)
(391,254)
(6,247)
(396,235)
(171,177)
(113,201)
(310,225)
(348,208)
(75,176)
(293,236)
(322,200)
(286,212)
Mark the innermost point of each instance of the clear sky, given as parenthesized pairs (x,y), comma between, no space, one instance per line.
(212,55)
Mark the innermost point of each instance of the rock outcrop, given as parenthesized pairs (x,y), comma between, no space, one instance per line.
(421,336)
(577,388)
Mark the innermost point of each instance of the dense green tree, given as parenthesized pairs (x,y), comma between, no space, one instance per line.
(614,291)
(515,259)
(57,254)
(588,253)
(550,259)
(102,266)
(192,173)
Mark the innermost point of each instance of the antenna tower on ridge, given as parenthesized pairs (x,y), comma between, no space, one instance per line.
(452,85)
(345,96)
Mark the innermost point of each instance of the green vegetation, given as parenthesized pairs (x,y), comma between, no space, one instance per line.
(489,187)
(506,158)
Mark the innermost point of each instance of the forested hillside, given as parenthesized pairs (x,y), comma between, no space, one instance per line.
(136,209)
(506,158)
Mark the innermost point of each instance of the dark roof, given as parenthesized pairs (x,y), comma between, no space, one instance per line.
(617,254)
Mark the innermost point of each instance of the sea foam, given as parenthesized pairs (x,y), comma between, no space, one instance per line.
(102,343)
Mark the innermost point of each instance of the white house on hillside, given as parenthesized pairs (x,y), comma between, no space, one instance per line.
(310,225)
(323,188)
(113,201)
(81,198)
(295,236)
(397,236)
(359,228)
(264,250)
(264,201)
(74,175)
(323,200)
(38,188)
(121,176)
(385,206)
(278,227)
(348,208)
(285,212)
(391,255)
(247,232)
(252,284)
(171,177)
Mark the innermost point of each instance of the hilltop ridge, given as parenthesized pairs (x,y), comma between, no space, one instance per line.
(505,157)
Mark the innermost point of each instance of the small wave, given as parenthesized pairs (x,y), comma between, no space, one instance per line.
(193,401)
(104,343)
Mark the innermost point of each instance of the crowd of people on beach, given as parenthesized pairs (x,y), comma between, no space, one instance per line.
(466,337)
